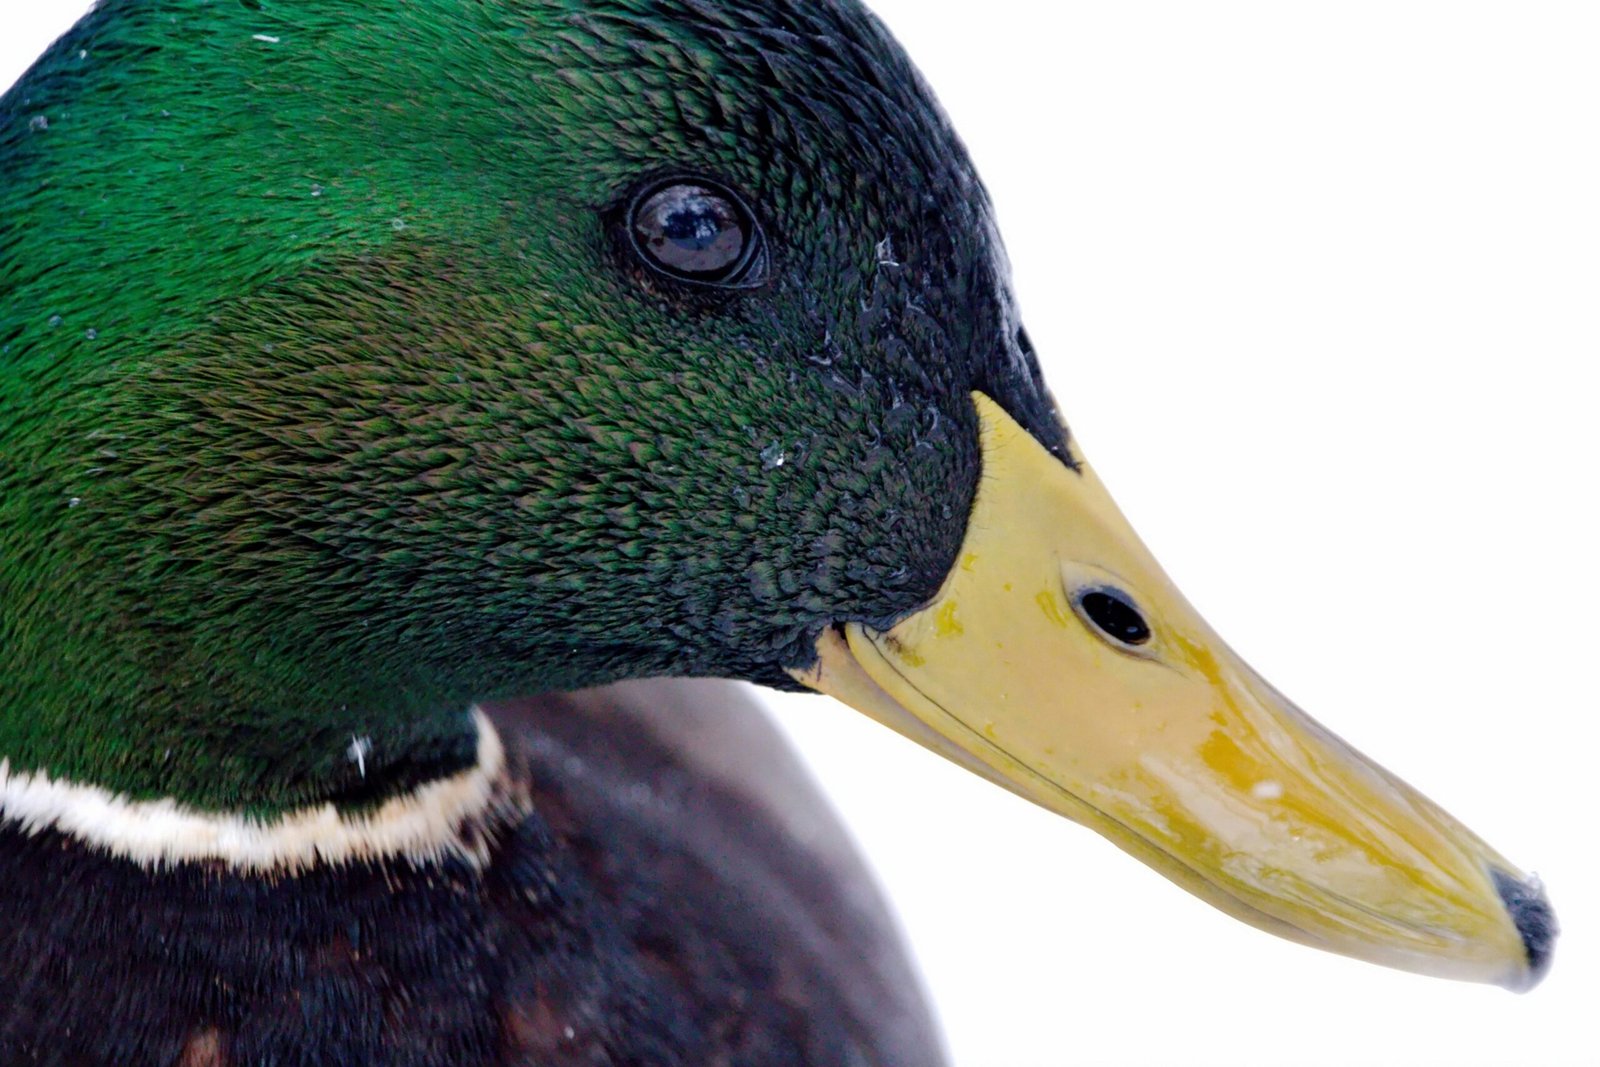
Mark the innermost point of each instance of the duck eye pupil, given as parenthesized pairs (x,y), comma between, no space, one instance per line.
(1119,619)
(693,232)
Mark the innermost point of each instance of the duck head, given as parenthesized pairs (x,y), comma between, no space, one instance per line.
(370,362)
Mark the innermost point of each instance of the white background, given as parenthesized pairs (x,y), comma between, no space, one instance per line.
(1316,285)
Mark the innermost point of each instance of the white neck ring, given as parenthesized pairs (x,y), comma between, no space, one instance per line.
(443,819)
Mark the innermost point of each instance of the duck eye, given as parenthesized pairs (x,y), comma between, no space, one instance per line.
(696,231)
(1115,616)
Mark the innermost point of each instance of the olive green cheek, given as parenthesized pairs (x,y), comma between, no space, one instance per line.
(398,484)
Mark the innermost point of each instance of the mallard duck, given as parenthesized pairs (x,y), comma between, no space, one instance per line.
(368,368)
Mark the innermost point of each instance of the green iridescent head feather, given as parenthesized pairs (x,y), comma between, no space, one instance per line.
(332,399)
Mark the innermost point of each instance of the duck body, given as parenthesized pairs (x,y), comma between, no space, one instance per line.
(651,902)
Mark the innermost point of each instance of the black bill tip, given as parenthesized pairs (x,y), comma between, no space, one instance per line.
(1535,920)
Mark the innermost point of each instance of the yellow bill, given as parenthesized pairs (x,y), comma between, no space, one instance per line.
(1061,663)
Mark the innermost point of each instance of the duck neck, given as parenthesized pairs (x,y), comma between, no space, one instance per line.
(199,730)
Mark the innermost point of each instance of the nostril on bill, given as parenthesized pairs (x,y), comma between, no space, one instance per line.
(1535,921)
